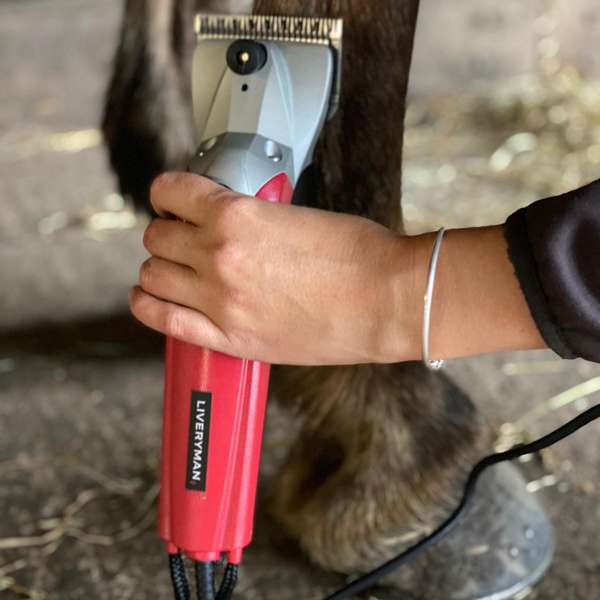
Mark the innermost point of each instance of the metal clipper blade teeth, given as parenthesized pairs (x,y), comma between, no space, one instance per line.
(311,30)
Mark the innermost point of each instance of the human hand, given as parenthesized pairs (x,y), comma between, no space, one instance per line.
(272,282)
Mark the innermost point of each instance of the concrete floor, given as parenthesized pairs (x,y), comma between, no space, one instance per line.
(80,403)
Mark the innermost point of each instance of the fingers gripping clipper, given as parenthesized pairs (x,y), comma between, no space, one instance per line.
(262,89)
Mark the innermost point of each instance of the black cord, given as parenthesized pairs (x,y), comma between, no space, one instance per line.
(181,588)
(205,579)
(228,582)
(366,581)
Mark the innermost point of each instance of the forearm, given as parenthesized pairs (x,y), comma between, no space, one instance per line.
(477,303)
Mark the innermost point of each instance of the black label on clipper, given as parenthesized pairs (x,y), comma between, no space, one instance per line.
(197,464)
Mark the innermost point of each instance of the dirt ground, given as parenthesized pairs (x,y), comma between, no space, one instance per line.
(81,384)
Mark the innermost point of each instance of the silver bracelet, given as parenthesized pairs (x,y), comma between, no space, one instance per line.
(434,365)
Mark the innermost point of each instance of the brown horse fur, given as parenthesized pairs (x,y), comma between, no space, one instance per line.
(383,448)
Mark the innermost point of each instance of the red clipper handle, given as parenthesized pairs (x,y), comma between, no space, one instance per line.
(214,408)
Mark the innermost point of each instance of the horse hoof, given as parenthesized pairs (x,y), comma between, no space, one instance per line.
(499,550)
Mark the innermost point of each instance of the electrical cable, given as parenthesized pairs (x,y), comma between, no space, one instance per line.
(205,579)
(367,580)
(181,587)
(228,582)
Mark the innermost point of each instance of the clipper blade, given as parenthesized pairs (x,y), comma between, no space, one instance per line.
(310,30)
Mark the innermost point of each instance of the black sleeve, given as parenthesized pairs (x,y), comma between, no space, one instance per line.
(554,246)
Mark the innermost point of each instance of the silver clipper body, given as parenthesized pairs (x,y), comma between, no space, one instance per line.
(262,90)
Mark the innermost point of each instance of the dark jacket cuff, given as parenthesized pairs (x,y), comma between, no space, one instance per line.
(554,246)
(521,256)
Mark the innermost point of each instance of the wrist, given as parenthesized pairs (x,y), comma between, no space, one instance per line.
(477,304)
(402,327)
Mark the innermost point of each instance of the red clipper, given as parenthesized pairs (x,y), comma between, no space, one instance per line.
(262,90)
(214,407)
